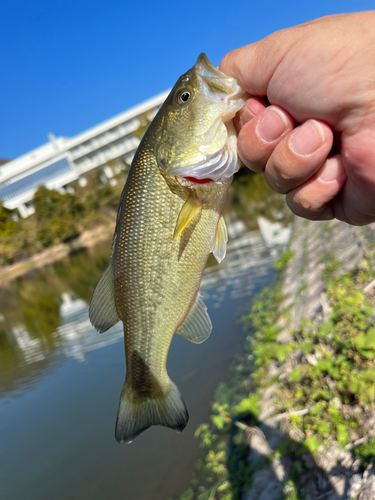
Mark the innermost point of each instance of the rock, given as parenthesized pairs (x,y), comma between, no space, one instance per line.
(308,461)
(259,446)
(266,482)
(328,459)
(311,490)
(370,421)
(273,370)
(355,486)
(368,489)
(265,486)
(297,435)
(346,458)
(267,402)
(338,483)
(279,470)
(284,337)
(356,465)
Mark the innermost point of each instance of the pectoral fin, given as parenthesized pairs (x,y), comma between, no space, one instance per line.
(102,311)
(197,326)
(189,210)
(221,238)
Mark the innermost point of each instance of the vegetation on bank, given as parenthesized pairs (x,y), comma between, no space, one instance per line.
(58,216)
(323,385)
(222,471)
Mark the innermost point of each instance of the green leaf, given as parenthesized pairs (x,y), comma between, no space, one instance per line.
(312,443)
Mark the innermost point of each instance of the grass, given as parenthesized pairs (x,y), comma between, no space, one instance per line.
(332,378)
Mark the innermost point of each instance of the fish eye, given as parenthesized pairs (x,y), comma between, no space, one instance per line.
(183,97)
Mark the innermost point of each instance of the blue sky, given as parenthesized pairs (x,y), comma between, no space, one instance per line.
(67,65)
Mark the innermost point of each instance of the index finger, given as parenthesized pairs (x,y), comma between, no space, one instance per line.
(254,65)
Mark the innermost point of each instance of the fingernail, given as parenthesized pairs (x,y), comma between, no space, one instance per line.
(245,116)
(331,170)
(252,108)
(255,105)
(272,125)
(307,138)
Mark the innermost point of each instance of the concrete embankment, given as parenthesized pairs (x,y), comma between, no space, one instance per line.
(333,471)
(313,245)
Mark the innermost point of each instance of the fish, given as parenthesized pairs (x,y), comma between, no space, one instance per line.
(169,220)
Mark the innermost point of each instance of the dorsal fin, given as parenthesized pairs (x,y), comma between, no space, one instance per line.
(197,326)
(102,311)
(221,238)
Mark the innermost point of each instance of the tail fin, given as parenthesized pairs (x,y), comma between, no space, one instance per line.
(138,413)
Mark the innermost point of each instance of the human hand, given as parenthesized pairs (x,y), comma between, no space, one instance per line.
(321,75)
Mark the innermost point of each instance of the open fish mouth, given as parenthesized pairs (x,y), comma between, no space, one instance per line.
(223,162)
(220,87)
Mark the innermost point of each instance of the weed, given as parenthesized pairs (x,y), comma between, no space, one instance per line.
(281,262)
(332,377)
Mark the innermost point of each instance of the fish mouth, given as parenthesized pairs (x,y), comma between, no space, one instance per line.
(204,67)
(218,83)
(224,162)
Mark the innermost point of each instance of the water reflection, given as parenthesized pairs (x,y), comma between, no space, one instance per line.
(61,370)
(34,311)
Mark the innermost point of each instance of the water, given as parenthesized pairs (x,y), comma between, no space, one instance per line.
(60,381)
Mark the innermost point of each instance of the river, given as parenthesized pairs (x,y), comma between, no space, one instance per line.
(60,381)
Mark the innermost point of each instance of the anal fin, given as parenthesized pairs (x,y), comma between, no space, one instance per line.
(221,238)
(102,311)
(189,210)
(197,326)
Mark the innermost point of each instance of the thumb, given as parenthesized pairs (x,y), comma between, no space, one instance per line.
(254,65)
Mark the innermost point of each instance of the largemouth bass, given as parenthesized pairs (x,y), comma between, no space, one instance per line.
(169,220)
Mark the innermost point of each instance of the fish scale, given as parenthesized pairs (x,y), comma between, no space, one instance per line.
(149,269)
(166,227)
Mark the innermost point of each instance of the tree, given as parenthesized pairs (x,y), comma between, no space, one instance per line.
(58,215)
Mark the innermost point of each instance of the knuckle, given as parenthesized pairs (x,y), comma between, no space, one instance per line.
(281,171)
(304,202)
(279,178)
(225,61)
(228,64)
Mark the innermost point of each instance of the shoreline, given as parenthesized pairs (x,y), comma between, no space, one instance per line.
(296,419)
(87,239)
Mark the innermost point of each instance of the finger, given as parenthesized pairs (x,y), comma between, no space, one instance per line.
(254,65)
(357,202)
(312,200)
(252,108)
(259,137)
(298,156)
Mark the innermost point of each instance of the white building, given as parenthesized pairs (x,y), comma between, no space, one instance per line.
(63,160)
